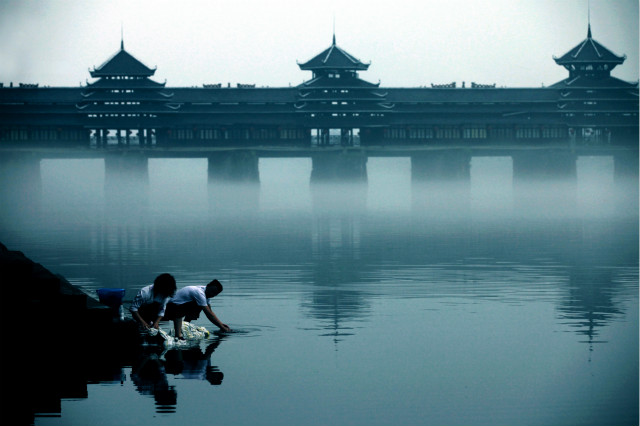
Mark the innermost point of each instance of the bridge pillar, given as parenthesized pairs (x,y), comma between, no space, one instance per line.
(441,182)
(625,175)
(100,142)
(441,166)
(20,184)
(545,183)
(625,165)
(126,180)
(234,182)
(335,166)
(544,165)
(234,166)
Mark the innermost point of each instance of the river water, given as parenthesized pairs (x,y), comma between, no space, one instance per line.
(381,304)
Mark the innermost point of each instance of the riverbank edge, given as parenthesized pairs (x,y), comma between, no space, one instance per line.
(48,306)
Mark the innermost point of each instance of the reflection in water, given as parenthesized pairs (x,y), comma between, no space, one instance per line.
(336,258)
(588,306)
(335,308)
(337,269)
(150,378)
(149,373)
(193,363)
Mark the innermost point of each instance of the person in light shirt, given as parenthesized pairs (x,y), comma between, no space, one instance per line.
(148,307)
(189,301)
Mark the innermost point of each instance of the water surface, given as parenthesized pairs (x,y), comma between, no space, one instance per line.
(378,304)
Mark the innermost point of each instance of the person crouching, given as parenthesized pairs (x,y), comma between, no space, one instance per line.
(148,307)
(189,301)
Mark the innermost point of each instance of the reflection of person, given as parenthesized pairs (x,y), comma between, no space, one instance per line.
(189,301)
(148,307)
(192,363)
(149,377)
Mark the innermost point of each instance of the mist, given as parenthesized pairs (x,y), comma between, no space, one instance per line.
(180,189)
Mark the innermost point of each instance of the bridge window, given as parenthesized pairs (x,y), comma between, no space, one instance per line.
(475,133)
(500,132)
(395,133)
(448,133)
(291,134)
(528,133)
(553,132)
(420,133)
(184,134)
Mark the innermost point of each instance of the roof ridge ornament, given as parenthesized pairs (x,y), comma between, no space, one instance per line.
(589,19)
(334,29)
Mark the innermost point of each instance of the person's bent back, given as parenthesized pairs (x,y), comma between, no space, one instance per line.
(189,301)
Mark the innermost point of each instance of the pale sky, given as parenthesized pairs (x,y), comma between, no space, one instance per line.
(408,42)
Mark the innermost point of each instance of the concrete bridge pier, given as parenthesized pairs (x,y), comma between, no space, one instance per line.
(441,182)
(234,166)
(20,183)
(339,166)
(544,165)
(625,165)
(101,137)
(625,175)
(126,180)
(545,182)
(234,182)
(441,166)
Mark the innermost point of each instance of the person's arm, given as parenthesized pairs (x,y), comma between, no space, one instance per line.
(156,324)
(139,318)
(214,319)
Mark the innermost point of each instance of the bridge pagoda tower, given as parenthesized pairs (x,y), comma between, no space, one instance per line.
(336,99)
(124,99)
(590,90)
(336,103)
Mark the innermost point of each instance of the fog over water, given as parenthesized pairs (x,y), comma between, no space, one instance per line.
(180,186)
(490,301)
(494,299)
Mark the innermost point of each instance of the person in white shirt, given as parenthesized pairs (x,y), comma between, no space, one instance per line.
(189,301)
(148,307)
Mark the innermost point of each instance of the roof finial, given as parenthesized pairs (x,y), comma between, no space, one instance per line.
(334,29)
(121,36)
(589,19)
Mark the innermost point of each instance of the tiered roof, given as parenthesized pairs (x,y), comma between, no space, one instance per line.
(589,65)
(589,51)
(122,64)
(333,58)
